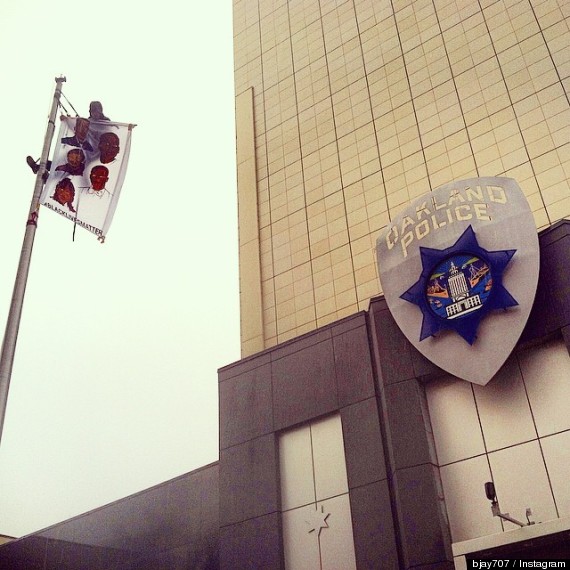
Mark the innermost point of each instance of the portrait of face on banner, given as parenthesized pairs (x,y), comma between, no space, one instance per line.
(88,168)
(459,270)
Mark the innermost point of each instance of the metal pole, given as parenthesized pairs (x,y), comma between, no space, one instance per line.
(13,321)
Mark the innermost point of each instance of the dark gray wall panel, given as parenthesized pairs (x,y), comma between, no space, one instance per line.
(374,537)
(551,310)
(393,347)
(355,380)
(349,323)
(407,427)
(246,409)
(365,462)
(191,512)
(304,385)
(447,565)
(252,545)
(249,480)
(183,558)
(421,516)
(245,365)
(301,342)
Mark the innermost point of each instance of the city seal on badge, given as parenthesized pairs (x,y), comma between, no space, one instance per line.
(459,285)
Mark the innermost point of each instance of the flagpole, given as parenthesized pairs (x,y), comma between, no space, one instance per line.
(13,321)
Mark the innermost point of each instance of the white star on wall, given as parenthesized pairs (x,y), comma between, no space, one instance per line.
(318,520)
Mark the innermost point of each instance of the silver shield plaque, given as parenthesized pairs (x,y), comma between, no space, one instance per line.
(459,270)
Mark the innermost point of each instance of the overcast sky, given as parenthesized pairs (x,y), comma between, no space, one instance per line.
(114,386)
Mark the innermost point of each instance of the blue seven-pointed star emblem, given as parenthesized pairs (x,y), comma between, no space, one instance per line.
(459,286)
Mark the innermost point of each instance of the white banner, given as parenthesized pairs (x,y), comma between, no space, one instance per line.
(88,168)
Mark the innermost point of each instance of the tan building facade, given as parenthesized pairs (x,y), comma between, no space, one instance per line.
(347,110)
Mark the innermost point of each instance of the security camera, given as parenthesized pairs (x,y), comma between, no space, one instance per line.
(490,491)
(491,494)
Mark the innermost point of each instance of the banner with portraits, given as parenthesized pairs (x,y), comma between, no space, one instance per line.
(87,172)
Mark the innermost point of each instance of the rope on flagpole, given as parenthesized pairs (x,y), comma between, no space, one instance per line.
(64,108)
(70,104)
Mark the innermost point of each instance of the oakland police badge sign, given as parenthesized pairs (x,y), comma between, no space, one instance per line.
(459,270)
